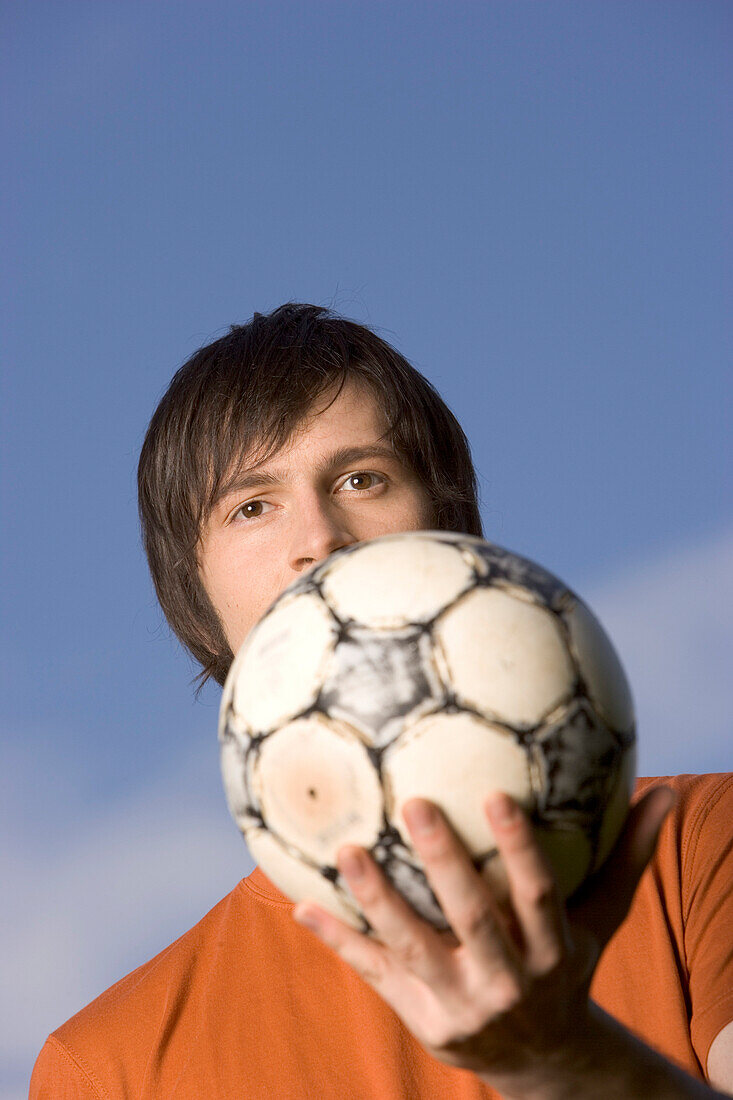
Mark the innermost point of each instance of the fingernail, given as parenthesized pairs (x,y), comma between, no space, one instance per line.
(503,810)
(307,919)
(352,865)
(421,817)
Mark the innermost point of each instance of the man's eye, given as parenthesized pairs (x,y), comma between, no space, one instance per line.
(252,509)
(362,480)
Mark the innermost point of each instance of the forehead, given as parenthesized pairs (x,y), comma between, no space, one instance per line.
(351,412)
(340,426)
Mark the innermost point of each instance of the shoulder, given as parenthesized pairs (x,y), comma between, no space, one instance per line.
(172,965)
(702,814)
(667,973)
(690,788)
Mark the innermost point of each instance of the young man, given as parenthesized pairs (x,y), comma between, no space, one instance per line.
(288,438)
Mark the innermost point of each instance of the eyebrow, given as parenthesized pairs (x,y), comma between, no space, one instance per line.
(255,478)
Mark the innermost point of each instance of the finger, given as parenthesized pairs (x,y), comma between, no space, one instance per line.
(532,887)
(409,996)
(463,893)
(363,954)
(413,943)
(641,833)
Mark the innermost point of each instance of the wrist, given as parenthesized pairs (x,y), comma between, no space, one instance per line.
(599,1057)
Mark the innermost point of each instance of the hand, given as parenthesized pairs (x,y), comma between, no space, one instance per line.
(505,993)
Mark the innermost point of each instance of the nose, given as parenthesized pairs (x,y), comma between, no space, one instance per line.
(319,532)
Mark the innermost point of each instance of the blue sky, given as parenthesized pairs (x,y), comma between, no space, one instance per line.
(527,199)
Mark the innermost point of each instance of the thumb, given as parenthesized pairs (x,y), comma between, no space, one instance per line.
(641,832)
(606,900)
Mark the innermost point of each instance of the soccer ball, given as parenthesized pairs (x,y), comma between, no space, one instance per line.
(433,665)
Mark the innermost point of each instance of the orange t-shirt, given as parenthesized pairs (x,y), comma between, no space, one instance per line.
(249,1004)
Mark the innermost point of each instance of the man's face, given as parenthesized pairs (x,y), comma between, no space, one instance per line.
(336,482)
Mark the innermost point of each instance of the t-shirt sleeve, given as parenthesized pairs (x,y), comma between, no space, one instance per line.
(707,877)
(58,1076)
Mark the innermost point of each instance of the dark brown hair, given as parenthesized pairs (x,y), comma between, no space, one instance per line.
(244,394)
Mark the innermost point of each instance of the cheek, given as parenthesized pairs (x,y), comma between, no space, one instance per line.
(240,608)
(421,513)
(413,512)
(249,593)
(221,578)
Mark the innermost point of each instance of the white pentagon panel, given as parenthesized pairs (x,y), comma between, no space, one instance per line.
(233,771)
(617,807)
(505,657)
(284,660)
(608,688)
(456,761)
(318,789)
(297,879)
(394,581)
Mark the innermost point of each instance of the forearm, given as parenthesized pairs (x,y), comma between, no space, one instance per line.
(604,1060)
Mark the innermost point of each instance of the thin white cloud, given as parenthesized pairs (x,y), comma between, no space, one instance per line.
(671,622)
(119,889)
